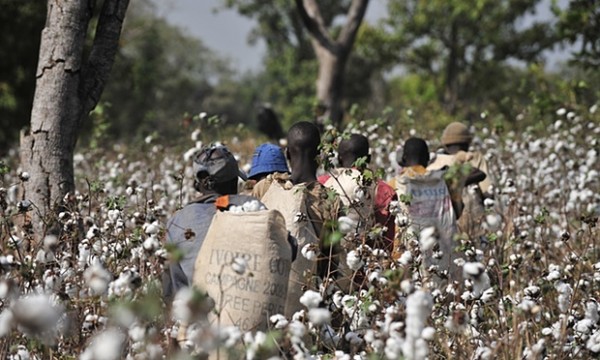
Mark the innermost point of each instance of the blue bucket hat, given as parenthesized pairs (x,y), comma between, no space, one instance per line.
(267,158)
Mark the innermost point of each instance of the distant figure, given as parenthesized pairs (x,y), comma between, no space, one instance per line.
(268,123)
(456,140)
(425,202)
(347,181)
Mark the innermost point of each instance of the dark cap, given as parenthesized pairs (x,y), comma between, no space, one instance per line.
(216,161)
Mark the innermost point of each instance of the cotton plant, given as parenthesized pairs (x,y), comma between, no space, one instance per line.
(528,289)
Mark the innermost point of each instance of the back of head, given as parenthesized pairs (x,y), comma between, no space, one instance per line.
(353,148)
(304,138)
(267,159)
(216,170)
(456,133)
(415,152)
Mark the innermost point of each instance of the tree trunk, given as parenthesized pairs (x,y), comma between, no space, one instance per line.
(331,55)
(451,83)
(330,83)
(66,90)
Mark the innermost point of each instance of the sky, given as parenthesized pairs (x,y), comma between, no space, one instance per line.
(226,32)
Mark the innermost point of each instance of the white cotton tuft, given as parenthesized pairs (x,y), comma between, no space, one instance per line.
(308,251)
(97,278)
(346,224)
(353,260)
(427,238)
(107,345)
(319,316)
(239,265)
(311,299)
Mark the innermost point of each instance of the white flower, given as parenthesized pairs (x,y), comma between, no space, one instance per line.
(346,224)
(311,299)
(319,316)
(239,265)
(353,260)
(561,111)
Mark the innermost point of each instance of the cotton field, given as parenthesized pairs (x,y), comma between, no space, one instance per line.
(531,273)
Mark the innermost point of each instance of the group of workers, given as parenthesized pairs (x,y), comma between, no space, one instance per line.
(422,189)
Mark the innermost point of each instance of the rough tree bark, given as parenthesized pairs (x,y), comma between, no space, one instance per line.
(332,55)
(68,87)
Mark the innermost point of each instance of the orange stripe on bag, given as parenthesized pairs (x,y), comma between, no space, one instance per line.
(222,202)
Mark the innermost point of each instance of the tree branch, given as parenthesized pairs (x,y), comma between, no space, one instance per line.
(356,13)
(314,24)
(104,49)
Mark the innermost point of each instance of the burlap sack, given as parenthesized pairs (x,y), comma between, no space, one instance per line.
(293,206)
(245,300)
(472,197)
(430,205)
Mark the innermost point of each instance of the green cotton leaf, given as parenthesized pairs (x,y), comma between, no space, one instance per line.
(334,238)
(405,198)
(4,169)
(175,254)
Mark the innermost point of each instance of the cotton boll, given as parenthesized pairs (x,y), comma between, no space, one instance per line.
(564,296)
(97,278)
(346,224)
(428,333)
(309,252)
(493,222)
(278,321)
(406,258)
(593,343)
(239,265)
(427,238)
(107,345)
(319,316)
(353,260)
(311,299)
(7,322)
(151,229)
